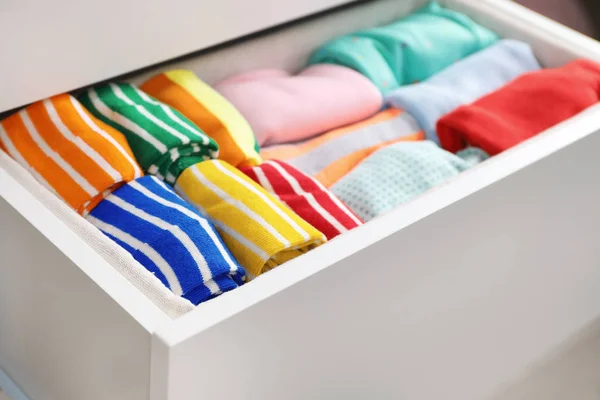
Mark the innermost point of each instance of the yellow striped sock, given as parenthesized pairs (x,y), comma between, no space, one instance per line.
(260,231)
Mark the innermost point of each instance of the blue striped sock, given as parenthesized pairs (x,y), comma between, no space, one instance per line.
(169,238)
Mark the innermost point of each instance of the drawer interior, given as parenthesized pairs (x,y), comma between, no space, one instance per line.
(288,47)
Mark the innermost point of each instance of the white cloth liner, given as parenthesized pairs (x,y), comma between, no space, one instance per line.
(119,258)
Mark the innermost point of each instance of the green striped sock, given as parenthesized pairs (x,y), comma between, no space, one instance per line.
(164,141)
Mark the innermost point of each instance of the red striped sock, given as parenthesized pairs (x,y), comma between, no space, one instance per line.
(305,196)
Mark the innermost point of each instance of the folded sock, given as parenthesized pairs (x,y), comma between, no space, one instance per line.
(398,173)
(163,141)
(330,156)
(463,82)
(260,231)
(523,108)
(210,111)
(74,155)
(169,238)
(305,196)
(283,108)
(409,50)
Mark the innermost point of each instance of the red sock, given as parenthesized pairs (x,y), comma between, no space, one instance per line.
(305,196)
(523,108)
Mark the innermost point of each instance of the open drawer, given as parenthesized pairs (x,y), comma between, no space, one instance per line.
(487,287)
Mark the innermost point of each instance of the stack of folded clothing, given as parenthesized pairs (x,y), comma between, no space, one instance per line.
(378,118)
(257,227)
(91,166)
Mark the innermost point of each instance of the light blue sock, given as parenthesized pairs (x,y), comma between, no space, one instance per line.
(398,173)
(464,82)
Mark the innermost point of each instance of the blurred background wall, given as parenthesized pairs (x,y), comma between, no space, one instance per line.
(582,15)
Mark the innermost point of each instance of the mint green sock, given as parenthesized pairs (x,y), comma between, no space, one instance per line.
(409,50)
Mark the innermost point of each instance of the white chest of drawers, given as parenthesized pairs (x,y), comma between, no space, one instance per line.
(488,287)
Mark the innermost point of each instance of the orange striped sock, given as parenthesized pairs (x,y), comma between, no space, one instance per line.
(73,154)
(330,156)
(210,111)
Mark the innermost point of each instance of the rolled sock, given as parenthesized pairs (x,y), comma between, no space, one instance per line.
(210,111)
(305,196)
(523,108)
(260,231)
(74,155)
(330,156)
(409,50)
(398,173)
(163,141)
(463,82)
(169,238)
(283,108)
